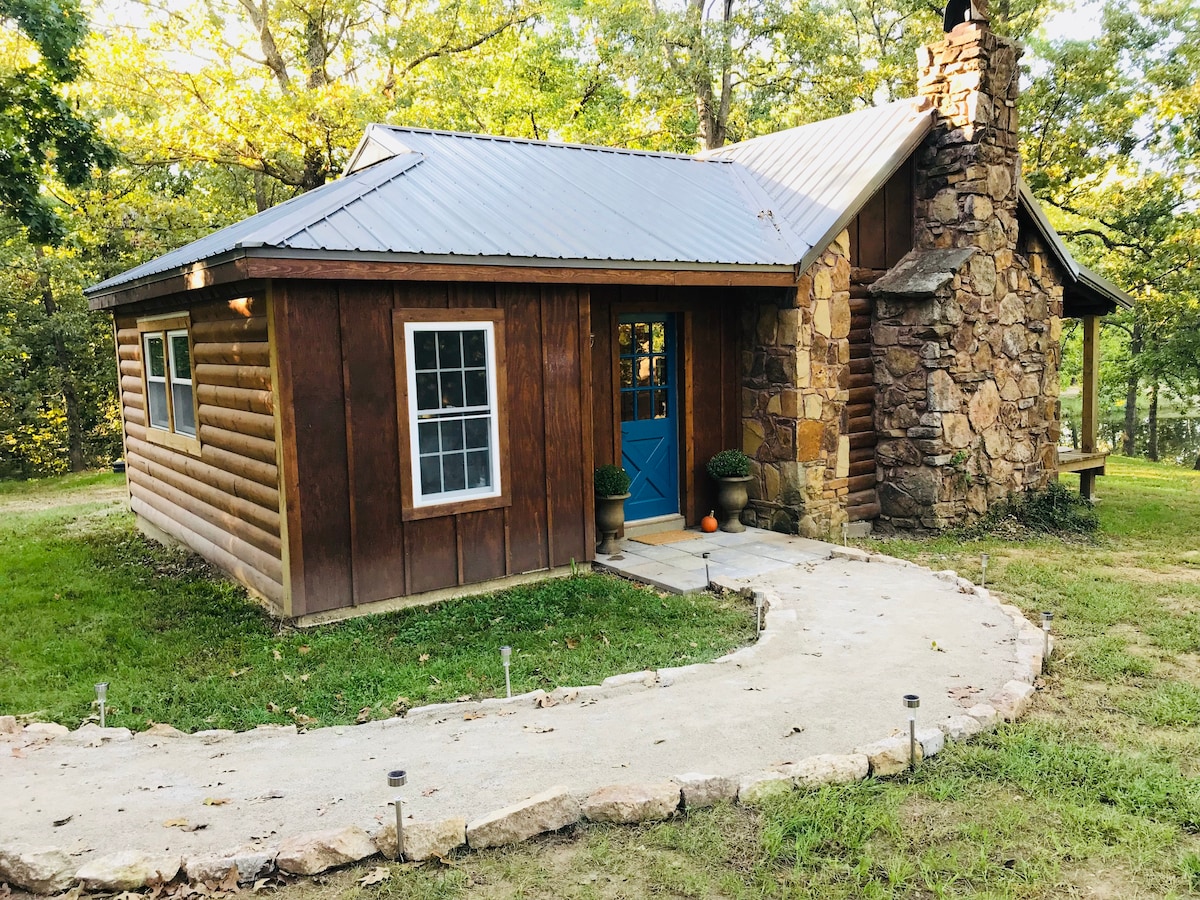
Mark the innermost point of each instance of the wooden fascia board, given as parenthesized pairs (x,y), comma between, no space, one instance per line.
(380,270)
(198,277)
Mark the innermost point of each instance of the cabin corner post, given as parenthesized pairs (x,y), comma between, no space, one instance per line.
(1089,424)
(285,449)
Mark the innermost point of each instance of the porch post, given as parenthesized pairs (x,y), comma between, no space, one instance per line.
(1091,397)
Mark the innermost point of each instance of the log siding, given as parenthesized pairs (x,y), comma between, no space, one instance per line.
(221,499)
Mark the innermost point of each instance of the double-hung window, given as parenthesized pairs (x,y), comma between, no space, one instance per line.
(167,369)
(452,371)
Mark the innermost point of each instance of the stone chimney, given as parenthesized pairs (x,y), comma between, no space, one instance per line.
(967,171)
(965,329)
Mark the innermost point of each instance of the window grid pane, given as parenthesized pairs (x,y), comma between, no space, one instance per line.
(454,419)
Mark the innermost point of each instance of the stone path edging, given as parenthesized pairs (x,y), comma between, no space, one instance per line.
(48,870)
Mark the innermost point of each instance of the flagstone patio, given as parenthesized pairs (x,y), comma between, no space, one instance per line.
(689,564)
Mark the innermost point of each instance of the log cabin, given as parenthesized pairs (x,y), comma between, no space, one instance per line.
(396,387)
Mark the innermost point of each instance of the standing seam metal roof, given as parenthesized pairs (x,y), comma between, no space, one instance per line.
(414,193)
(773,202)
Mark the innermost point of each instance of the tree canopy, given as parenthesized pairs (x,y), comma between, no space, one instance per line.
(194,113)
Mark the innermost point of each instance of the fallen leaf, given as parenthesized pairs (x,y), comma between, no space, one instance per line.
(231,881)
(303,648)
(423,658)
(272,707)
(302,720)
(58,823)
(796,729)
(401,706)
(364,715)
(604,639)
(199,826)
(572,643)
(507,712)
(538,729)
(462,698)
(429,792)
(964,695)
(546,701)
(275,653)
(18,752)
(216,801)
(306,676)
(175,823)
(472,716)
(235,673)
(375,876)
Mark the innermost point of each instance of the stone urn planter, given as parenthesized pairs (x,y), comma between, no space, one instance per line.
(730,469)
(732,497)
(612,490)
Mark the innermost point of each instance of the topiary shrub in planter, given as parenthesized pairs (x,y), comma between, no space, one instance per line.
(612,490)
(731,470)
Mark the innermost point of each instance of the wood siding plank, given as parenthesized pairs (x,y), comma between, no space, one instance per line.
(373,452)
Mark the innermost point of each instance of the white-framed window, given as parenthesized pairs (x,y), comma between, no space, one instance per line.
(167,372)
(453,411)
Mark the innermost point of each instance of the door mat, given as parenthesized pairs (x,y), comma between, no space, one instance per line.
(666,537)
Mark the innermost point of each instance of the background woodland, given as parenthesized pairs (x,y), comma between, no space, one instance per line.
(131,127)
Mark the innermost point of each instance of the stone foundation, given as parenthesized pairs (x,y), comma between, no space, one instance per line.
(793,401)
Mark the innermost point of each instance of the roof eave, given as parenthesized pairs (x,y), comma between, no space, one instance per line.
(252,263)
(904,150)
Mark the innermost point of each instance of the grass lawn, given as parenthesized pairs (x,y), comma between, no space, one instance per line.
(84,598)
(1096,794)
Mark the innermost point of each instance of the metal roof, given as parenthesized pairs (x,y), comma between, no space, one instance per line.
(1093,287)
(819,176)
(773,203)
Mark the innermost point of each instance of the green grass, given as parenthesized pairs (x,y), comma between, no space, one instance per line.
(85,598)
(1096,794)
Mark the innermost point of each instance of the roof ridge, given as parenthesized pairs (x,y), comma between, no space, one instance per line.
(554,145)
(716,152)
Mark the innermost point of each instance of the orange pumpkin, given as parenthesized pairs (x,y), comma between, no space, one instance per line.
(708,524)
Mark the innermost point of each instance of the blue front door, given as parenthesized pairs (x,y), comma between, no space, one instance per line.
(649,429)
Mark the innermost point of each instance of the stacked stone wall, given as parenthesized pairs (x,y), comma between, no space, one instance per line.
(968,387)
(794,394)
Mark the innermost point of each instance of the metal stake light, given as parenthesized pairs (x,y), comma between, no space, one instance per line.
(506,658)
(911,702)
(1047,618)
(398,778)
(101,699)
(983,561)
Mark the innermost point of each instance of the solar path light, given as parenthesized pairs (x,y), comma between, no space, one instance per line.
(983,561)
(506,659)
(911,702)
(1047,618)
(101,699)
(758,610)
(398,778)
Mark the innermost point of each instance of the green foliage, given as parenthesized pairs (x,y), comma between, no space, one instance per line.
(39,128)
(1055,509)
(610,480)
(728,464)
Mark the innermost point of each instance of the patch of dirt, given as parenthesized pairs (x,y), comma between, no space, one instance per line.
(43,502)
(1104,883)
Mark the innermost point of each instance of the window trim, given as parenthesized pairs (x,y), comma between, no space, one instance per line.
(164,326)
(412,507)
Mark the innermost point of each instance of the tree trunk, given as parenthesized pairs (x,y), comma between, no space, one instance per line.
(62,360)
(1129,444)
(1152,425)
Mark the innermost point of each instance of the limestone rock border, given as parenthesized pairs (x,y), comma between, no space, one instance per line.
(40,870)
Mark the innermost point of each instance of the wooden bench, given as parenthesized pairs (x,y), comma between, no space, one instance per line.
(1088,463)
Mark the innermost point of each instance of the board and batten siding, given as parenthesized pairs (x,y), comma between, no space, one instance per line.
(223,500)
(343,464)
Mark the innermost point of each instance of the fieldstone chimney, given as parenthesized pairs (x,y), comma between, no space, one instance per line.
(965,328)
(967,181)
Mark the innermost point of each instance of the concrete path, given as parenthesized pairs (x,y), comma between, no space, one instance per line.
(844,640)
